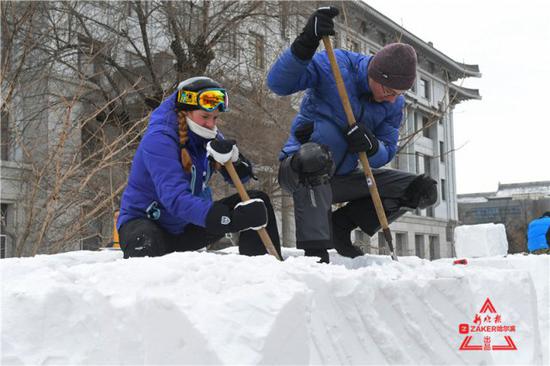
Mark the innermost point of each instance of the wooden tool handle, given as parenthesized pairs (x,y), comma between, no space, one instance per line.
(362,155)
(264,236)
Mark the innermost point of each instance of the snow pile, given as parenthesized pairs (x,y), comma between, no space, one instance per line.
(203,308)
(483,240)
(538,267)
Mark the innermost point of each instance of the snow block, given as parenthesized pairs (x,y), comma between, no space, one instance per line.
(484,240)
(202,308)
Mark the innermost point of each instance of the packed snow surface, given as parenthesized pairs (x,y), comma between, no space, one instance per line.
(204,308)
(483,240)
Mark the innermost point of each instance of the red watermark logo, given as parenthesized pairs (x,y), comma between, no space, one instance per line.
(487,320)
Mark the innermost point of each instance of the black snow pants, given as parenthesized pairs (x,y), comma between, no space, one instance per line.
(318,227)
(144,237)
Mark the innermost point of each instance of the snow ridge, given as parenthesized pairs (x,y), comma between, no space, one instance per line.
(202,308)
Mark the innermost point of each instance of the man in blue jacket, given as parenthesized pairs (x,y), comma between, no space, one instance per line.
(538,234)
(319,162)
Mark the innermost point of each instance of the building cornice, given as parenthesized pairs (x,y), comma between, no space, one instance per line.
(459,93)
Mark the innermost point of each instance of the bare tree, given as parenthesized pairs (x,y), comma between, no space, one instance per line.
(100,68)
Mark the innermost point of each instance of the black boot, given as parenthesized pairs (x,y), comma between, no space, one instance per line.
(341,231)
(318,252)
(421,193)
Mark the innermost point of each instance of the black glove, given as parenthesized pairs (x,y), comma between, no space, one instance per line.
(303,132)
(359,138)
(243,167)
(251,214)
(222,151)
(319,24)
(313,163)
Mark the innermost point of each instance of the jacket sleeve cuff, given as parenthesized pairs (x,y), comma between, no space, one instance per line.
(381,157)
(202,219)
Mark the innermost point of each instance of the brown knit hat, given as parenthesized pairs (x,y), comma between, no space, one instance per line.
(394,66)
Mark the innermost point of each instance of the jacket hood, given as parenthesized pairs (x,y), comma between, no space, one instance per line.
(165,113)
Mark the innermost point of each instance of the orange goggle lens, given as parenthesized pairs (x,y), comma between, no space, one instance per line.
(212,99)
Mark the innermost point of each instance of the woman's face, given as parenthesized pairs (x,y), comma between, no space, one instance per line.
(204,118)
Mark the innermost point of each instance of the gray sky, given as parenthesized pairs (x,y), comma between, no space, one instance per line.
(505,137)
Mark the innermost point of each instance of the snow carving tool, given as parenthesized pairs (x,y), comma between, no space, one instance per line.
(362,155)
(266,240)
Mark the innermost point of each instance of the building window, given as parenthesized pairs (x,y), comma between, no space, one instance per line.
(441,152)
(396,162)
(413,88)
(284,11)
(434,247)
(364,27)
(426,126)
(400,243)
(3,217)
(337,42)
(443,190)
(4,136)
(430,212)
(3,224)
(2,246)
(382,246)
(431,67)
(428,165)
(425,88)
(419,245)
(353,45)
(258,49)
(417,162)
(361,239)
(450,231)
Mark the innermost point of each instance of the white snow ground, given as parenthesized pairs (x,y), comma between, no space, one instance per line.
(202,308)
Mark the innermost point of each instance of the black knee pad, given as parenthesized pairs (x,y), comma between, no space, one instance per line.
(142,238)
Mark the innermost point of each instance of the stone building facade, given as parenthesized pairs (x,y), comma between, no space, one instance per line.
(427,140)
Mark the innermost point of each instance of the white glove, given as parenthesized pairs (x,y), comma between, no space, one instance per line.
(222,151)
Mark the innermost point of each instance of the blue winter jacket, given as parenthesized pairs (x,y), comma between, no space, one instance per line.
(322,105)
(157,175)
(538,234)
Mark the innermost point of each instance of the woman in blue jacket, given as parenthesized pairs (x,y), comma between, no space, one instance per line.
(319,160)
(167,205)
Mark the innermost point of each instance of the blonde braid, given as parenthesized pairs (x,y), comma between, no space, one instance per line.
(185,157)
